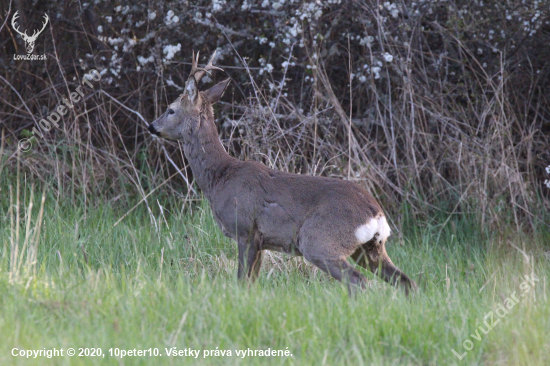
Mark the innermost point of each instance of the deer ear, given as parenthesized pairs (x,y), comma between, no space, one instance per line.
(191,89)
(215,93)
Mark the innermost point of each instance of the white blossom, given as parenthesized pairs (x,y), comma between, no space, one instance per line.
(171,19)
(392,8)
(115,41)
(261,39)
(366,41)
(129,45)
(376,71)
(170,51)
(217,5)
(142,60)
(268,68)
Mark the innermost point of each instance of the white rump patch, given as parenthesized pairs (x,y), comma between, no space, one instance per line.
(374,226)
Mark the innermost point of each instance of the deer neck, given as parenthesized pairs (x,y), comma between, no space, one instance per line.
(207,157)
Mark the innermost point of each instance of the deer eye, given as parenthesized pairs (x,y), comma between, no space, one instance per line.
(171,111)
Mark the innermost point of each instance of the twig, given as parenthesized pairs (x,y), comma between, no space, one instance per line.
(189,186)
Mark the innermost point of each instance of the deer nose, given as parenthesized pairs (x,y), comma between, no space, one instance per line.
(153,130)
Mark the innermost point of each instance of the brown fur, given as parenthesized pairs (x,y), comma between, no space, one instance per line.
(262,208)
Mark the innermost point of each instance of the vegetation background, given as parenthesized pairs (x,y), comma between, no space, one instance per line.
(440,108)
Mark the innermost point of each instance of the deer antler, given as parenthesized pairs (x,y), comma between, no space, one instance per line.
(16,28)
(44,24)
(197,72)
(25,36)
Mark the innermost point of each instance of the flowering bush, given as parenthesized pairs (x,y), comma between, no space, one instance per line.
(446,97)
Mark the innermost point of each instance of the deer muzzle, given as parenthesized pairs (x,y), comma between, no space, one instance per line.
(153,130)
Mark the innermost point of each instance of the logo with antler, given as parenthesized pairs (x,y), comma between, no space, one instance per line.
(29,40)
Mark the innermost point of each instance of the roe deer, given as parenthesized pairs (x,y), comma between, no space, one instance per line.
(324,219)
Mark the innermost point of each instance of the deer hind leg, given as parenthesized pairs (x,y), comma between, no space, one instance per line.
(327,244)
(256,265)
(332,260)
(373,256)
(250,259)
(341,270)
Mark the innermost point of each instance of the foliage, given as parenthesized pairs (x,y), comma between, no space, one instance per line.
(162,279)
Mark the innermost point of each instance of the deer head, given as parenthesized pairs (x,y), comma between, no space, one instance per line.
(29,40)
(192,109)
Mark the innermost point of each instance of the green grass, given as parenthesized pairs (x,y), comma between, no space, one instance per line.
(141,285)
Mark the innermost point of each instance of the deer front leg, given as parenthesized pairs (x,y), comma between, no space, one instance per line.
(250,260)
